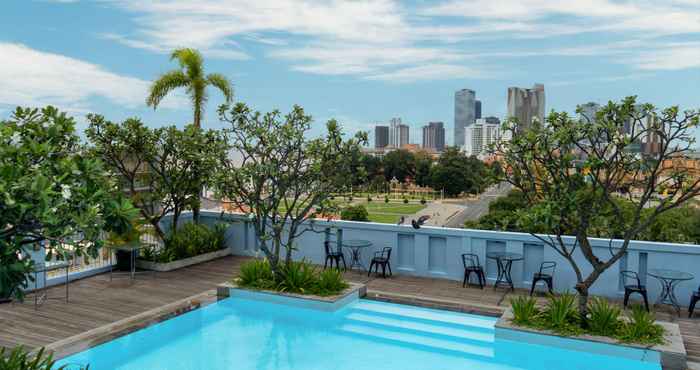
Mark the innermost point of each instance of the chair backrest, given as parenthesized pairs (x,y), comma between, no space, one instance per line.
(386,252)
(629,274)
(327,247)
(470,260)
(548,268)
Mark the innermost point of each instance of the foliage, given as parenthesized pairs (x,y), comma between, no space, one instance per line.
(299,277)
(190,240)
(502,214)
(161,169)
(52,191)
(641,328)
(423,166)
(604,318)
(399,164)
(354,213)
(423,201)
(369,198)
(560,314)
(20,359)
(456,173)
(524,310)
(192,78)
(573,171)
(386,199)
(283,177)
(405,200)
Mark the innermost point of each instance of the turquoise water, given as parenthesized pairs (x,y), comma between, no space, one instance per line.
(251,335)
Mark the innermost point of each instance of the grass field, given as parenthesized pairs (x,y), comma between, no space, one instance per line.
(388,213)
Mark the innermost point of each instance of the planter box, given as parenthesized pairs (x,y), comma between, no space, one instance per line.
(314,302)
(169,266)
(671,355)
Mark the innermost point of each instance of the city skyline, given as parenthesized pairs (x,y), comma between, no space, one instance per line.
(354,61)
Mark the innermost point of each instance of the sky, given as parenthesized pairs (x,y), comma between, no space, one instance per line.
(360,62)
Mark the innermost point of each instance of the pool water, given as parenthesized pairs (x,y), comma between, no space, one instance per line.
(244,334)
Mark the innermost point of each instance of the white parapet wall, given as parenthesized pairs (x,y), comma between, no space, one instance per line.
(436,252)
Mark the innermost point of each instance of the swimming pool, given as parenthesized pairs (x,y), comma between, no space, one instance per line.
(243,334)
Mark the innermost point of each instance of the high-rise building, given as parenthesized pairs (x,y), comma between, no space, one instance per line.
(588,111)
(479,136)
(434,136)
(381,136)
(525,105)
(465,114)
(398,133)
(477,109)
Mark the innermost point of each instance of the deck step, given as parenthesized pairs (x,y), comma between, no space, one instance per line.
(425,315)
(419,341)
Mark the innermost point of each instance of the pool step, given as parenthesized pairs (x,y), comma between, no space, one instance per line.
(462,334)
(436,318)
(419,341)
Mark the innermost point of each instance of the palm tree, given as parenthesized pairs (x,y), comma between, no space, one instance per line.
(191,77)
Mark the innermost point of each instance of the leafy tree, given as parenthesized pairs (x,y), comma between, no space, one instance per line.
(424,162)
(161,169)
(283,179)
(456,173)
(571,171)
(354,213)
(399,164)
(192,78)
(52,191)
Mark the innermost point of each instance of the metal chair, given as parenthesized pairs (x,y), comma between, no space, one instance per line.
(693,300)
(472,265)
(545,274)
(381,258)
(635,287)
(333,256)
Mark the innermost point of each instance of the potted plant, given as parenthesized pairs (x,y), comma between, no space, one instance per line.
(124,229)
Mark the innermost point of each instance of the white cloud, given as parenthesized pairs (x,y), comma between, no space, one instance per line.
(32,77)
(674,56)
(428,72)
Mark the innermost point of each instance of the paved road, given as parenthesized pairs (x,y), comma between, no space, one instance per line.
(477,207)
(439,213)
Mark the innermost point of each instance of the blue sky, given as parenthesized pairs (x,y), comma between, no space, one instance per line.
(360,62)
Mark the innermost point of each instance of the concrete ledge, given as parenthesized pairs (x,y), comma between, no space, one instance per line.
(169,266)
(671,355)
(440,304)
(329,303)
(91,338)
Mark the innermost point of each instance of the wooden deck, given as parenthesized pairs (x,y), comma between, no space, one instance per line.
(96,301)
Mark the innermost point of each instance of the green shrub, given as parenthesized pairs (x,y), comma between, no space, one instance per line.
(191,240)
(354,213)
(256,274)
(405,200)
(299,277)
(423,201)
(560,314)
(524,310)
(386,199)
(20,359)
(369,199)
(350,198)
(330,282)
(604,318)
(641,328)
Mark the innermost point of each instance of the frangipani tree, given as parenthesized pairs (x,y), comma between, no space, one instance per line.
(52,191)
(570,171)
(283,178)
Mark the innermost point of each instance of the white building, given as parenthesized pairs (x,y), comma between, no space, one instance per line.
(479,136)
(398,133)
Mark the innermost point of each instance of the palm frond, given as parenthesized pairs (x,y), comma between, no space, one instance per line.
(191,61)
(166,83)
(222,83)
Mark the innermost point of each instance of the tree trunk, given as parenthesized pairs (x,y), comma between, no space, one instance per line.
(582,289)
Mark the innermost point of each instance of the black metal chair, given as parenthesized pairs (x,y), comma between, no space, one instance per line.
(635,287)
(333,256)
(693,300)
(546,274)
(381,258)
(472,265)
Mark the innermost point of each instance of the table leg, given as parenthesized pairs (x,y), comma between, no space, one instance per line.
(111,266)
(672,296)
(509,279)
(499,279)
(133,264)
(67,271)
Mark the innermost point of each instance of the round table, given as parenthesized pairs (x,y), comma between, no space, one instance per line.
(356,247)
(504,261)
(669,279)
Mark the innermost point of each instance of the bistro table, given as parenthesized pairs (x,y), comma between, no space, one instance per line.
(669,279)
(356,247)
(133,250)
(504,261)
(43,268)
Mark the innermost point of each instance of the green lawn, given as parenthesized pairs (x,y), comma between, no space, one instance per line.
(388,213)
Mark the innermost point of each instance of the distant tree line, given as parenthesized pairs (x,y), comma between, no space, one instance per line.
(453,171)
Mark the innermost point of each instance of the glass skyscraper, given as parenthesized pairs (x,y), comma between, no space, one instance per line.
(465,114)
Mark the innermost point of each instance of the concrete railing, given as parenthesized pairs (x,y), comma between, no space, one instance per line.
(435,252)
